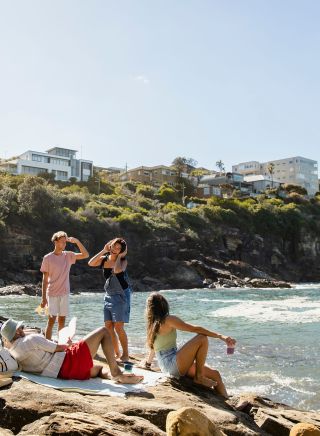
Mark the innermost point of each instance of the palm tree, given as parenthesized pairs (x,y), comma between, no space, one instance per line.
(270,169)
(220,166)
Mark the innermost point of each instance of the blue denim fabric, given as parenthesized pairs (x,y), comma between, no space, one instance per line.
(115,308)
(167,360)
(127,293)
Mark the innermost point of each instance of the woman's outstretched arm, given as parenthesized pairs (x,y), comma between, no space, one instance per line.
(179,324)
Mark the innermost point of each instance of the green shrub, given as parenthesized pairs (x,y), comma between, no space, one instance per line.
(146,190)
(294,188)
(167,194)
(145,203)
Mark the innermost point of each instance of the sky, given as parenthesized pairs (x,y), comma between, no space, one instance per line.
(140,82)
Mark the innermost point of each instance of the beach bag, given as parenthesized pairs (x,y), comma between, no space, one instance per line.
(7,362)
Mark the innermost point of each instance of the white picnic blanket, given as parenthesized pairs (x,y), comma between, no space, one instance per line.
(97,386)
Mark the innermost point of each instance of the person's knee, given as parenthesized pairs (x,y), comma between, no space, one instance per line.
(119,327)
(217,376)
(52,319)
(203,339)
(105,332)
(108,325)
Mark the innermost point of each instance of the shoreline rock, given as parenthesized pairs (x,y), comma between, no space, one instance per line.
(206,272)
(30,409)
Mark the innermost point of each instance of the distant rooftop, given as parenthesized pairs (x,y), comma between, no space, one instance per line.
(61,148)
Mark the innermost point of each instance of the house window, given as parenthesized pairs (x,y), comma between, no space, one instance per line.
(33,170)
(62,175)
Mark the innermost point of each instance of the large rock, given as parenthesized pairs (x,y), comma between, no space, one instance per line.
(304,429)
(27,289)
(190,422)
(29,408)
(273,418)
(81,423)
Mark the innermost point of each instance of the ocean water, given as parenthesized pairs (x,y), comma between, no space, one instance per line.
(277,331)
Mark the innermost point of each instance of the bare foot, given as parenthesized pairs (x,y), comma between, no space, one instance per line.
(144,364)
(128,379)
(204,381)
(124,358)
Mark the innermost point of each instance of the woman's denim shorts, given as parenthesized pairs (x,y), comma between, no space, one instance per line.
(115,308)
(167,360)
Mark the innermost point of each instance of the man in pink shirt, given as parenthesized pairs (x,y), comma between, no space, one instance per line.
(55,281)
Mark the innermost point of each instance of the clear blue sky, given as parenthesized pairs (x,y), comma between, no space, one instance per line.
(144,81)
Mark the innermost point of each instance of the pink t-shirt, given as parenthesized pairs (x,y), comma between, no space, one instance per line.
(58,267)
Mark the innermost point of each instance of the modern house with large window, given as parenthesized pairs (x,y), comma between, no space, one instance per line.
(293,170)
(61,162)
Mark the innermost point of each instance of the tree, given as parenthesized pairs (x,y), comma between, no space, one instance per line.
(50,177)
(198,173)
(38,200)
(8,202)
(270,169)
(290,188)
(183,165)
(220,166)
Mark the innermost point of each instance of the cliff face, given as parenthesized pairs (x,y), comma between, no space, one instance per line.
(161,261)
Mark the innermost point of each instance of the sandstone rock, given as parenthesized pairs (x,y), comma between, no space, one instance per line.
(190,422)
(5,432)
(273,418)
(304,429)
(80,423)
(26,407)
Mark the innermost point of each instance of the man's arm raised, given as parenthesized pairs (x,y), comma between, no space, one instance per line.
(83,251)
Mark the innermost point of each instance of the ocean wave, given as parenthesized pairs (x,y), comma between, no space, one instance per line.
(289,310)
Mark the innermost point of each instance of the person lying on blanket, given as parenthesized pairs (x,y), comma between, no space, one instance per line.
(42,356)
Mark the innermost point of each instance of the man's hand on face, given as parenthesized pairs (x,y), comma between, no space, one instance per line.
(72,240)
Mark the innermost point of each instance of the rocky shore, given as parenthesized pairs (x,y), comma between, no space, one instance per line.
(30,409)
(206,272)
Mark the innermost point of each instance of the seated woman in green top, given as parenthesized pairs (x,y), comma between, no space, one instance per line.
(190,359)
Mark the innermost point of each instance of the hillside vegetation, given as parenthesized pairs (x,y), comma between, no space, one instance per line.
(156,224)
(141,208)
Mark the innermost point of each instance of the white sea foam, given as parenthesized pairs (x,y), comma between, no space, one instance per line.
(289,310)
(306,285)
(218,300)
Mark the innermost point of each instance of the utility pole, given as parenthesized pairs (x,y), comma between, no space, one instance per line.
(98,181)
(183,199)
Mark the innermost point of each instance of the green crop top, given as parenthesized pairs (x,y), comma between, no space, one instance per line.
(165,342)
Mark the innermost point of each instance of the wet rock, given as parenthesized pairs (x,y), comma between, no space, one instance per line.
(27,289)
(264,283)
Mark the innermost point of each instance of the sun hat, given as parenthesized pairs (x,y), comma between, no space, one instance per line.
(9,328)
